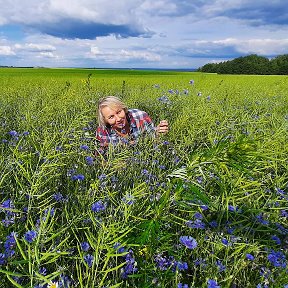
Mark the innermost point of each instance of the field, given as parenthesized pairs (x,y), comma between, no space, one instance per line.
(204,206)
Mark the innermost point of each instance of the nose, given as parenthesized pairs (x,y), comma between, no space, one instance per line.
(118,118)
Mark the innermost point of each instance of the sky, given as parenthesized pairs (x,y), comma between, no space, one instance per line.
(162,34)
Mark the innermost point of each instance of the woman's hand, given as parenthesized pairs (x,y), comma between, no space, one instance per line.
(162,128)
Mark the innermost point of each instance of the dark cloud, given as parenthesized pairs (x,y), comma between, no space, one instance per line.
(259,13)
(72,29)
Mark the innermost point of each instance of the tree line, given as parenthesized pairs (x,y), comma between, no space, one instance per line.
(251,64)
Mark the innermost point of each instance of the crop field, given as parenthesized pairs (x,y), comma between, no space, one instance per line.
(204,206)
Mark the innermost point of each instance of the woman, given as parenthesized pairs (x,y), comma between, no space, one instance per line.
(118,124)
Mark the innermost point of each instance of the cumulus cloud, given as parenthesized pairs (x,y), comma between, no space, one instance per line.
(32,47)
(84,19)
(6,51)
(124,55)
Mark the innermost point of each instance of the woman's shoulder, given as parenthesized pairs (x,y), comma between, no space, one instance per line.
(137,113)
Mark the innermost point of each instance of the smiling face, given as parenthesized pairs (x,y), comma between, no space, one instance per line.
(115,117)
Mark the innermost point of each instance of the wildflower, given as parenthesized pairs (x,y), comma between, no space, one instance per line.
(79,177)
(2,259)
(30,236)
(188,241)
(213,223)
(199,94)
(102,177)
(89,160)
(164,262)
(119,249)
(85,246)
(225,241)
(58,197)
(277,258)
(250,257)
(52,285)
(260,219)
(164,99)
(84,147)
(181,265)
(128,199)
(208,98)
(284,213)
(276,239)
(198,215)
(26,133)
(43,271)
(197,224)
(212,284)
(13,133)
(89,259)
(130,266)
(191,82)
(220,266)
(180,285)
(98,206)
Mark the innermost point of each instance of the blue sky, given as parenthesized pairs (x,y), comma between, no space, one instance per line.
(139,33)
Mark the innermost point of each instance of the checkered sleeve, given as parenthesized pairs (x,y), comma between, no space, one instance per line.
(143,121)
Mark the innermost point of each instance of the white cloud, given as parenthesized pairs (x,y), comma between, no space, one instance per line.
(6,51)
(32,47)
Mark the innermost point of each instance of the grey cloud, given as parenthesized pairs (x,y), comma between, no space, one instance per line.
(74,28)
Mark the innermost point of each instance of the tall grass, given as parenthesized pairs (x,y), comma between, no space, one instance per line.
(205,205)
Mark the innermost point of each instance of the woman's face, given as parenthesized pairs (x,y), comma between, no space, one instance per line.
(115,117)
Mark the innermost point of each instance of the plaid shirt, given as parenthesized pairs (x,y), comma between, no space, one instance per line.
(139,123)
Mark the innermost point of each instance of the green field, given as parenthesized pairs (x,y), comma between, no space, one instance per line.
(205,205)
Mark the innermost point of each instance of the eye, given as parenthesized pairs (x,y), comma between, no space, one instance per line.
(118,112)
(111,117)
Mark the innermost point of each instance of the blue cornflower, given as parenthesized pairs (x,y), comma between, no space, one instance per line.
(85,246)
(191,82)
(276,239)
(130,266)
(58,197)
(84,147)
(102,177)
(2,259)
(119,249)
(164,99)
(13,133)
(260,219)
(232,208)
(43,271)
(277,258)
(180,285)
(79,177)
(250,257)
(212,284)
(198,215)
(181,265)
(220,266)
(98,206)
(197,224)
(89,259)
(10,241)
(213,223)
(128,199)
(89,160)
(225,241)
(284,213)
(188,241)
(164,262)
(30,236)
(26,133)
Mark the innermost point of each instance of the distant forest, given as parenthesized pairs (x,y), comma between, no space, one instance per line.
(251,64)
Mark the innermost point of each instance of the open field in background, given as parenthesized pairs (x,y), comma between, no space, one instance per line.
(205,205)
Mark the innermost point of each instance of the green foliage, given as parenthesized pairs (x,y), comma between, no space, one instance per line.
(251,64)
(219,176)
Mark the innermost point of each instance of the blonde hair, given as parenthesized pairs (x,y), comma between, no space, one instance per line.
(111,102)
